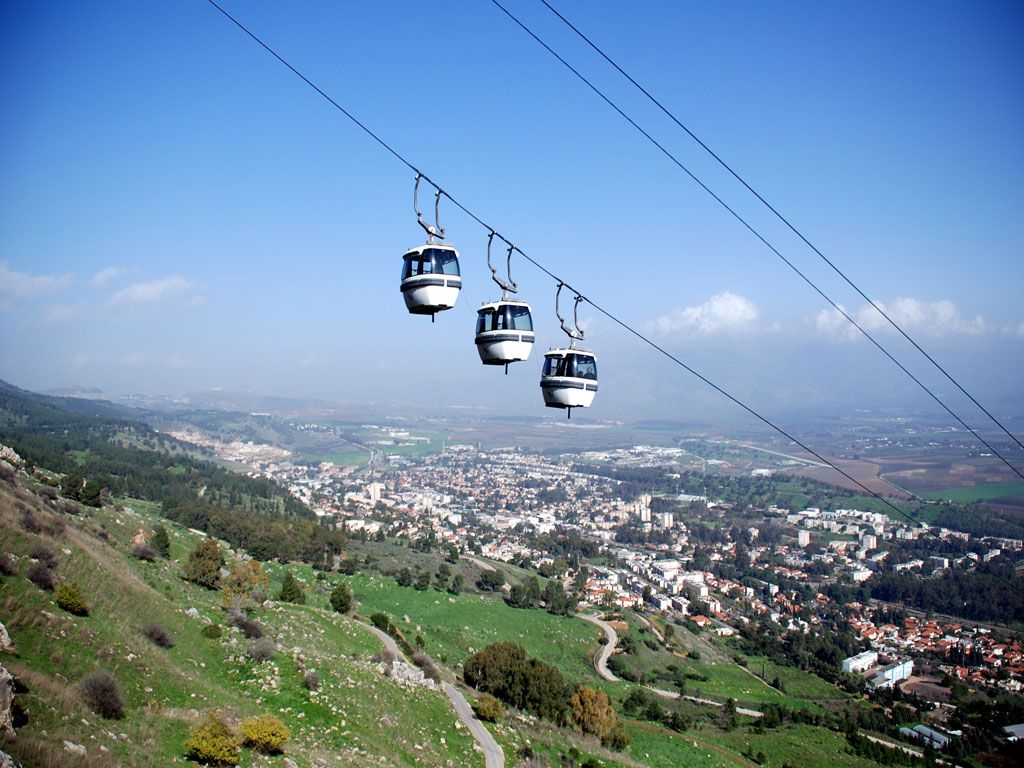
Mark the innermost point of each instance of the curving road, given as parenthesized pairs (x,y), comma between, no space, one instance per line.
(601,664)
(601,660)
(493,755)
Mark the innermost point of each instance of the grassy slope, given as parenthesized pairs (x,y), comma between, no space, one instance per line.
(358,717)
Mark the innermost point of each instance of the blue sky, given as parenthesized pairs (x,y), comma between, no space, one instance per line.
(179,212)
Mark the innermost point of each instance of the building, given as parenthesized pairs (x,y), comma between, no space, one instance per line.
(929,736)
(803,538)
(888,676)
(860,662)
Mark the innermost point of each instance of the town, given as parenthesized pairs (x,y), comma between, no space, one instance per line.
(663,552)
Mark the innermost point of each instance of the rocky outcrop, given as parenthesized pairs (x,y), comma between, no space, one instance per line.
(5,640)
(6,702)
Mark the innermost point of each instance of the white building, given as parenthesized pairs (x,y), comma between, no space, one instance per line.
(860,662)
(803,538)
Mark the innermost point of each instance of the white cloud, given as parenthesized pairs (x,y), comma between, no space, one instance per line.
(156,291)
(15,286)
(723,313)
(1014,330)
(104,276)
(935,318)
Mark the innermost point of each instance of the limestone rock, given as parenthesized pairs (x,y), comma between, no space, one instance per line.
(75,749)
(6,761)
(6,702)
(5,640)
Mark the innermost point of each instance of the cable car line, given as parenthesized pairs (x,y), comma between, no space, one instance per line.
(581,298)
(778,215)
(763,240)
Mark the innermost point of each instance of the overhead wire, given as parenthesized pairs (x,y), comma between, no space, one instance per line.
(615,319)
(781,218)
(836,306)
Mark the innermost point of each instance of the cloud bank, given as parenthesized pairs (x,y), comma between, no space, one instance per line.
(723,313)
(936,318)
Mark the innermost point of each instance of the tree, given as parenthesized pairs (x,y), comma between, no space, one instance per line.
(204,564)
(161,542)
(422,581)
(291,590)
(341,598)
(592,712)
(92,492)
(404,577)
(245,586)
(491,581)
(457,583)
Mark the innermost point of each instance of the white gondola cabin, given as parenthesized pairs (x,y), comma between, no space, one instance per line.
(569,378)
(504,332)
(430,278)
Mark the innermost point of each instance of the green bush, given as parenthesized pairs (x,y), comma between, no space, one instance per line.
(488,708)
(212,742)
(204,564)
(291,590)
(265,734)
(70,598)
(212,631)
(161,542)
(341,598)
(381,621)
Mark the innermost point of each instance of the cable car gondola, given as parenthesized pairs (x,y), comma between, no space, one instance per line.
(430,273)
(504,328)
(569,377)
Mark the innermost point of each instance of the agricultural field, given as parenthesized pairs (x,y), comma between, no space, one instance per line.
(984,492)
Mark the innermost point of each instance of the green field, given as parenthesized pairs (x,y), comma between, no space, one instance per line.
(796,745)
(985,492)
(456,626)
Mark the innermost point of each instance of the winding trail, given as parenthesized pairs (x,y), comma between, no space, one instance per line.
(601,660)
(494,757)
(601,665)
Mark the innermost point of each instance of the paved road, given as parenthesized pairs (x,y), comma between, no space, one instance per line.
(493,756)
(601,664)
(601,660)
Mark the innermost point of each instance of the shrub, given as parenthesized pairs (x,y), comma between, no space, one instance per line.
(265,734)
(261,650)
(144,552)
(341,598)
(311,680)
(251,629)
(69,597)
(100,692)
(212,631)
(30,522)
(488,708)
(291,590)
(212,742)
(425,663)
(44,555)
(204,564)
(158,635)
(616,739)
(8,564)
(41,575)
(381,621)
